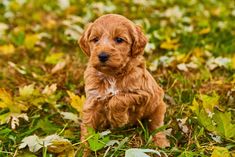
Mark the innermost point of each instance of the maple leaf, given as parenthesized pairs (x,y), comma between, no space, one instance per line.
(31,40)
(224,125)
(209,102)
(70,116)
(170,44)
(26,90)
(76,101)
(33,142)
(5,98)
(220,151)
(7,49)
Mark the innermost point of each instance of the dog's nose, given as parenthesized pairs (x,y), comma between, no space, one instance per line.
(103,57)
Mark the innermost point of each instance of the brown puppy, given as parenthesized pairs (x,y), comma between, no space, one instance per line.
(118,87)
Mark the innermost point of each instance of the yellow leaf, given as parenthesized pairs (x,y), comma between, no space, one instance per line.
(50,24)
(26,91)
(220,151)
(209,102)
(76,101)
(7,49)
(233,62)
(205,31)
(170,44)
(31,40)
(198,52)
(5,99)
(67,153)
(233,154)
(60,146)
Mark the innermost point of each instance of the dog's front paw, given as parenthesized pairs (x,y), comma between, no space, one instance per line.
(160,140)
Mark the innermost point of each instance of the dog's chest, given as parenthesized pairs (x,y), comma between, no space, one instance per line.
(111,86)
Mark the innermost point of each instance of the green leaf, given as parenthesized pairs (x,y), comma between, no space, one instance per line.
(190,154)
(4,118)
(18,39)
(47,126)
(96,142)
(220,152)
(195,106)
(209,102)
(205,120)
(224,125)
(26,90)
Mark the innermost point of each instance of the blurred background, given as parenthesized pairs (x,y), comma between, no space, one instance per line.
(191,54)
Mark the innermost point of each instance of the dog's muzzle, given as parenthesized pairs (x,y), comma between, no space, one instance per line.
(103,57)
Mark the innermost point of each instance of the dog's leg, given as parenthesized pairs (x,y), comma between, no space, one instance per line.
(121,104)
(156,120)
(92,117)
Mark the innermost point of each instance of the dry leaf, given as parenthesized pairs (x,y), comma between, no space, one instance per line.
(33,142)
(14,119)
(59,66)
(70,116)
(48,90)
(76,101)
(182,67)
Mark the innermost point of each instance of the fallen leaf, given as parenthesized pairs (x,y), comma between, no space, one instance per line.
(224,125)
(33,142)
(14,119)
(220,151)
(70,116)
(54,143)
(76,101)
(49,90)
(137,152)
(31,40)
(209,102)
(205,31)
(233,62)
(96,142)
(170,44)
(54,58)
(182,67)
(5,98)
(59,66)
(7,49)
(63,4)
(182,124)
(26,91)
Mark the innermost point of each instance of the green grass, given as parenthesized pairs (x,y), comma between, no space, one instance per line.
(38,35)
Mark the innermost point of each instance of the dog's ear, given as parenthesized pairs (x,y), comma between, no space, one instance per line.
(139,42)
(83,41)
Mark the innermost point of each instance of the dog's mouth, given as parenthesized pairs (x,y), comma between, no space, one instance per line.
(107,69)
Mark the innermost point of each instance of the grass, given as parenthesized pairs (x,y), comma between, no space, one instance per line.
(191,54)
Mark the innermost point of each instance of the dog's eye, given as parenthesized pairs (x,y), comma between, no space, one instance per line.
(95,40)
(119,40)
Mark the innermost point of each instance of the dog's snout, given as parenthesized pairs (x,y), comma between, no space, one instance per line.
(103,57)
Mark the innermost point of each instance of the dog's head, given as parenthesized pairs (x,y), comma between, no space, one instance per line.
(111,41)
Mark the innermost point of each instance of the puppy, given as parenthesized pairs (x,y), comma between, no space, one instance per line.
(119,89)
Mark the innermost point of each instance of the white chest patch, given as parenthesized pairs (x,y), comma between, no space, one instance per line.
(112,88)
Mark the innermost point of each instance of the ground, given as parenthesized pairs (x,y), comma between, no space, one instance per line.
(191,54)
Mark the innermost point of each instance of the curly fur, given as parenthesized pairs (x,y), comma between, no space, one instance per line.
(120,91)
